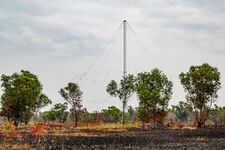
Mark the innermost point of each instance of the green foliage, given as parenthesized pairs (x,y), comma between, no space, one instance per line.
(86,117)
(72,95)
(201,84)
(42,101)
(112,114)
(217,115)
(154,91)
(131,114)
(57,113)
(124,91)
(183,111)
(112,89)
(143,113)
(48,116)
(22,95)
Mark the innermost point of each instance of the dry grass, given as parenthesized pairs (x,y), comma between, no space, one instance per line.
(93,129)
(189,128)
(110,127)
(55,135)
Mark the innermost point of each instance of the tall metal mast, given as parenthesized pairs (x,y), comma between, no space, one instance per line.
(124,66)
(124,48)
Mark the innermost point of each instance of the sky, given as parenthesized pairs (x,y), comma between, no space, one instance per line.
(58,40)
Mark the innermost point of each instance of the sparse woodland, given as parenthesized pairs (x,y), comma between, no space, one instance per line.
(23,124)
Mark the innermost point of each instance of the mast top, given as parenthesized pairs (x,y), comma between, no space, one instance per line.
(124,20)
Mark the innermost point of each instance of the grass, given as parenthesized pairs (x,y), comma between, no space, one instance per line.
(56,134)
(110,126)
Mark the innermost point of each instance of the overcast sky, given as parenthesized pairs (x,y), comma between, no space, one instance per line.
(59,39)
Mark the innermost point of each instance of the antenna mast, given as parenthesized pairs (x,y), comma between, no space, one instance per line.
(124,48)
(124,66)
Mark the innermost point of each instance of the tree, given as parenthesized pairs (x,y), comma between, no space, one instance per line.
(112,114)
(58,112)
(124,91)
(154,91)
(217,115)
(183,111)
(86,117)
(201,84)
(131,113)
(21,96)
(48,116)
(72,95)
(42,101)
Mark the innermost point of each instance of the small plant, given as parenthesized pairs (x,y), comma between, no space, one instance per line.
(37,131)
(8,131)
(8,128)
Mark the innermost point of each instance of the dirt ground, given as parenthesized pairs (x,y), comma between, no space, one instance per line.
(87,139)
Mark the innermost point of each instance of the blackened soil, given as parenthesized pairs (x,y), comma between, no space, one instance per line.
(137,139)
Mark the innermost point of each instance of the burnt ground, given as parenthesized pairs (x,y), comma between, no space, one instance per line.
(131,139)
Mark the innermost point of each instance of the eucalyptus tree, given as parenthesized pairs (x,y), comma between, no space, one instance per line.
(201,84)
(122,90)
(72,94)
(112,114)
(22,96)
(42,101)
(154,91)
(183,111)
(57,113)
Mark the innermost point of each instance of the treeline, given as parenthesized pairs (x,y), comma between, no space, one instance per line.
(23,98)
(154,91)
(112,114)
(185,113)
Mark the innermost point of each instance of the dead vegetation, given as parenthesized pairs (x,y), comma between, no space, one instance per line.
(108,136)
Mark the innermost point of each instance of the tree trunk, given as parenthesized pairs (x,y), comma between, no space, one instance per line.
(199,124)
(143,125)
(16,123)
(123,112)
(76,119)
(200,120)
(26,122)
(123,121)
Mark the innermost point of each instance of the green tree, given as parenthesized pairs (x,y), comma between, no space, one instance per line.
(124,91)
(42,101)
(201,84)
(57,113)
(48,116)
(60,111)
(131,113)
(86,117)
(72,95)
(217,115)
(112,114)
(154,91)
(21,96)
(183,111)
